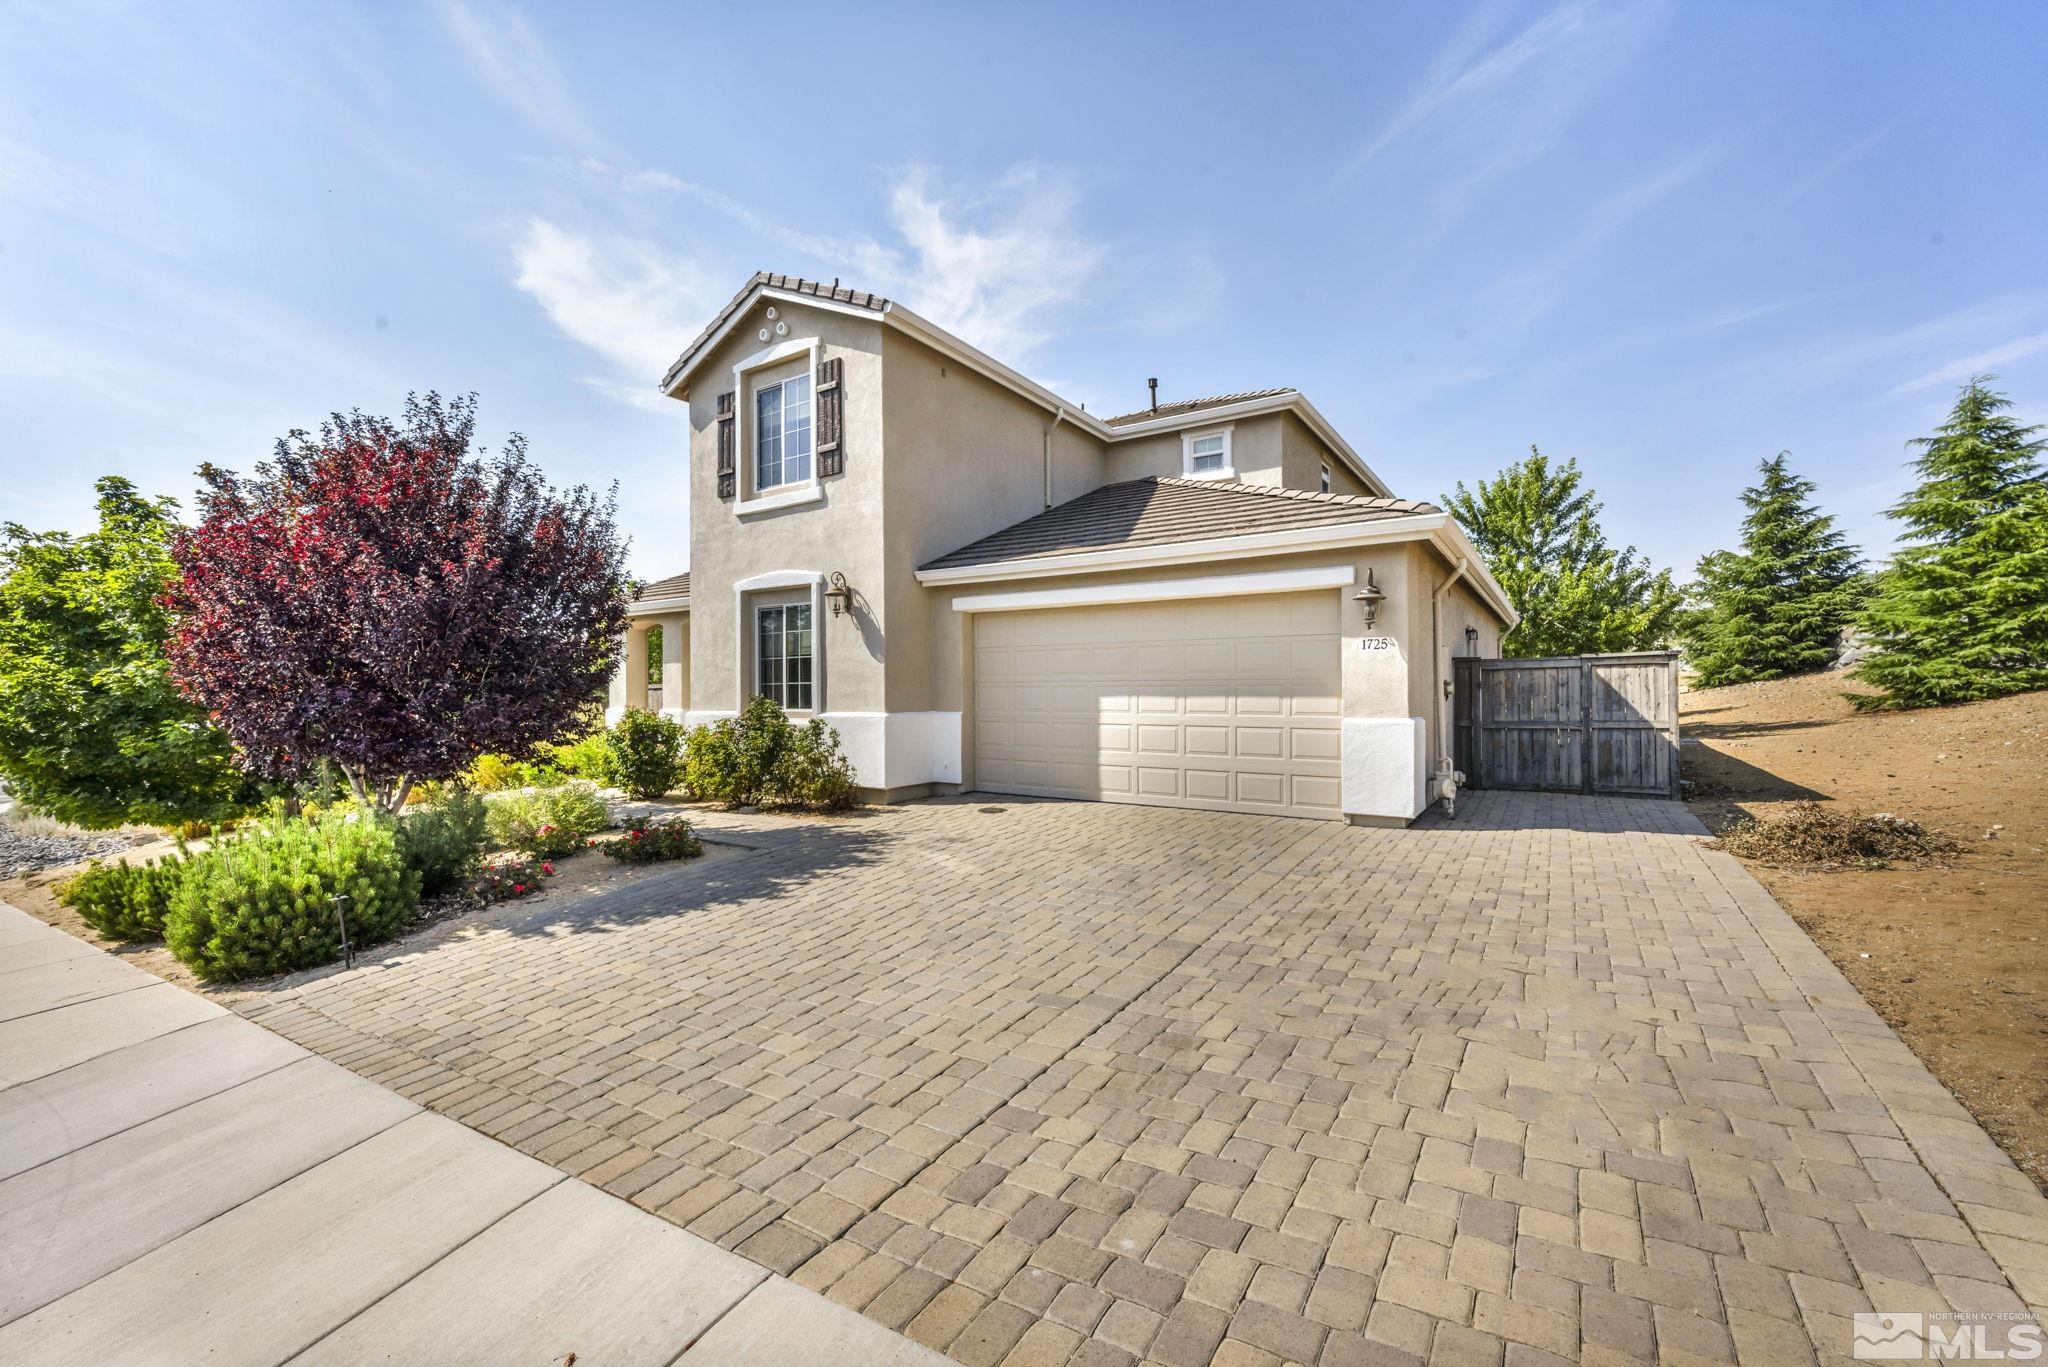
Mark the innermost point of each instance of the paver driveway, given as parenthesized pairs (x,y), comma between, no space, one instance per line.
(1044,1082)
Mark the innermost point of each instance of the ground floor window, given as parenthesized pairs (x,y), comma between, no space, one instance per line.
(782,657)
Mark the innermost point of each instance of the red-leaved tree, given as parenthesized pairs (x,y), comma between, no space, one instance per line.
(384,599)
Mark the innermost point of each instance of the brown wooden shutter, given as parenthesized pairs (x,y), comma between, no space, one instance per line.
(728,458)
(831,453)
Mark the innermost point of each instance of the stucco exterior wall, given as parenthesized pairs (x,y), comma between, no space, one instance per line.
(841,531)
(1302,456)
(966,457)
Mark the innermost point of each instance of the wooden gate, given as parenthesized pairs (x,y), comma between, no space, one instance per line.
(1570,724)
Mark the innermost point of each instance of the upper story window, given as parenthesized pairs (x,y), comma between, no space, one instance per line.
(1206,453)
(1326,478)
(782,433)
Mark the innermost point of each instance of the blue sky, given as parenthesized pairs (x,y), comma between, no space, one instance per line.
(1667,239)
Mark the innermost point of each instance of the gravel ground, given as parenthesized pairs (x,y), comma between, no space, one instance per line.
(22,852)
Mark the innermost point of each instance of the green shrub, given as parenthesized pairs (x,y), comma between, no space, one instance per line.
(262,902)
(760,757)
(646,753)
(811,770)
(590,757)
(655,841)
(548,823)
(124,901)
(496,773)
(444,843)
(733,759)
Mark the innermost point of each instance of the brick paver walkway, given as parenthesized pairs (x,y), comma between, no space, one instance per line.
(1059,1082)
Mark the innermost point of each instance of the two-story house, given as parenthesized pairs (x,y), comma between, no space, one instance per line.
(1212,604)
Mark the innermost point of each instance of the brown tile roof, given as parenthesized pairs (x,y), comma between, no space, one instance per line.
(675,586)
(1145,512)
(796,284)
(1184,406)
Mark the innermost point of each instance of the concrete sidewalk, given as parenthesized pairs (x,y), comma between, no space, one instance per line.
(178,1185)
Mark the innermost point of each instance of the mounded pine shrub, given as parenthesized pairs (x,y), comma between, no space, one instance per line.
(124,901)
(444,843)
(262,903)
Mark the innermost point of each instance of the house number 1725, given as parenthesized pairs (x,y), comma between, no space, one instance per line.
(1375,643)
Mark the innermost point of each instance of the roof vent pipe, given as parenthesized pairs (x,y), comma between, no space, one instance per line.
(1153,385)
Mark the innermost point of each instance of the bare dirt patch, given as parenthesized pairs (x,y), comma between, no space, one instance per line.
(1952,951)
(580,875)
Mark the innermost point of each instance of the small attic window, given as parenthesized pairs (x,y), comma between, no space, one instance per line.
(1206,455)
(1326,477)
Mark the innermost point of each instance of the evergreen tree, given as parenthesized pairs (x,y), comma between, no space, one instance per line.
(1539,533)
(1962,611)
(1778,605)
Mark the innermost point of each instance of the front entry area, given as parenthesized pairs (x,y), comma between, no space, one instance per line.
(1225,704)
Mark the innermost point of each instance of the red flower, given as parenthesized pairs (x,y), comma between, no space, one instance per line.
(519,887)
(547,868)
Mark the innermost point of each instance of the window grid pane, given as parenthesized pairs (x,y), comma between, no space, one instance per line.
(768,437)
(785,656)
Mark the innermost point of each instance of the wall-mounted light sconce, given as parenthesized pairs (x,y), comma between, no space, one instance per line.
(839,595)
(1471,640)
(1369,599)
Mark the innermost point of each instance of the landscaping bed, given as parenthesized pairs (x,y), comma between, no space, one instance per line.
(436,920)
(1948,943)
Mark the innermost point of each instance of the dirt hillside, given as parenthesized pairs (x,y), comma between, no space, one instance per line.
(1955,957)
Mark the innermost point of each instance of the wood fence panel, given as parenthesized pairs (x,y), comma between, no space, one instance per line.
(1590,723)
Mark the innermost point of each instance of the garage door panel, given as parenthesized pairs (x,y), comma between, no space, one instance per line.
(1310,743)
(1159,740)
(1230,704)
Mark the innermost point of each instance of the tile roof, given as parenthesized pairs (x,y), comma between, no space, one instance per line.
(1183,406)
(793,283)
(1158,511)
(675,586)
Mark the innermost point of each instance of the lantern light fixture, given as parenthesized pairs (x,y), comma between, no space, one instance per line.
(1369,599)
(840,596)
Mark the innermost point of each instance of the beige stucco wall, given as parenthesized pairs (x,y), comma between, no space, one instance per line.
(1273,448)
(842,532)
(1302,456)
(966,457)
(631,680)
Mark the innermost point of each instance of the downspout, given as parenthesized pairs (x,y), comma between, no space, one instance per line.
(1059,415)
(1446,779)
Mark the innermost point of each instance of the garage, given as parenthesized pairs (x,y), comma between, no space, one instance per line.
(1225,704)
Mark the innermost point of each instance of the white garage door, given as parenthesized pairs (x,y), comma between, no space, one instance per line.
(1231,704)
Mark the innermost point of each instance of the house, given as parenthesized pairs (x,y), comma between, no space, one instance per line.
(983,586)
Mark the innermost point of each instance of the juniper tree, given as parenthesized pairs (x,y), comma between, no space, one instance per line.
(1778,605)
(1539,533)
(1962,611)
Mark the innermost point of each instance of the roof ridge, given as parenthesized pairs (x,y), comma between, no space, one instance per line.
(1160,410)
(1284,491)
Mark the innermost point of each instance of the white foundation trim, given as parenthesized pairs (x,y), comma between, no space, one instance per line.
(1385,766)
(1161,590)
(887,749)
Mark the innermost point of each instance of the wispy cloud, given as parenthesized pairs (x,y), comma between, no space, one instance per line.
(1981,363)
(1494,102)
(995,267)
(633,302)
(511,60)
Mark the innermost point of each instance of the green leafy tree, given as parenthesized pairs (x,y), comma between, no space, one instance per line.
(1962,611)
(1778,605)
(1539,532)
(91,729)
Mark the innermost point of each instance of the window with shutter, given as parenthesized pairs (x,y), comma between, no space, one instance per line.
(831,452)
(728,457)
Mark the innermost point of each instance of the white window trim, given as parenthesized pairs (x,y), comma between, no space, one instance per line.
(1327,484)
(760,608)
(782,495)
(743,628)
(1187,454)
